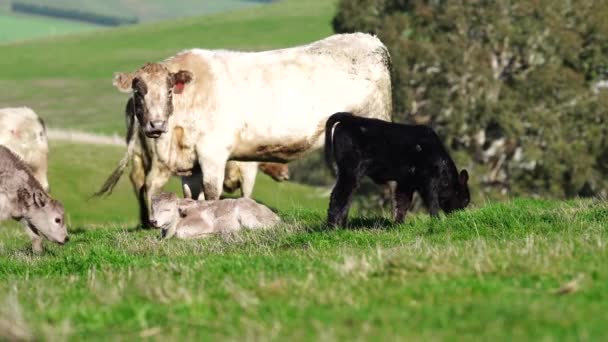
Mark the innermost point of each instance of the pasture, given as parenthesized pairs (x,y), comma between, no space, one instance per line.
(22,27)
(523,269)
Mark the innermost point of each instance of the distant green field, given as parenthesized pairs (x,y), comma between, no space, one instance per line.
(21,27)
(68,80)
(146,10)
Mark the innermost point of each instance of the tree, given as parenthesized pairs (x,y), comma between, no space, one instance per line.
(508,84)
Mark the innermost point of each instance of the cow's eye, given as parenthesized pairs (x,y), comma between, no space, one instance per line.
(57,220)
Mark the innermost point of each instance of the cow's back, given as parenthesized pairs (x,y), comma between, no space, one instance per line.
(276,102)
(23,132)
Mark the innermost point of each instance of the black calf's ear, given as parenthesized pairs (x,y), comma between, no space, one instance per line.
(464,177)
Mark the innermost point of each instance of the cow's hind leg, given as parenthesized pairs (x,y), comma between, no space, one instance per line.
(341,196)
(403,201)
(249,171)
(195,185)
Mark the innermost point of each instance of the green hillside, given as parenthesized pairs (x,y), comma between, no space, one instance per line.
(68,80)
(20,27)
(144,10)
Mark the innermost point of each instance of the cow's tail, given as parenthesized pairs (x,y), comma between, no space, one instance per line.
(330,127)
(112,180)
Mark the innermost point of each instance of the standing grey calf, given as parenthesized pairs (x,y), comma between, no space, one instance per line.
(190,219)
(22,198)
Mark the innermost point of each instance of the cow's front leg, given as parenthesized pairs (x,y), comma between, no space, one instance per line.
(138,180)
(403,201)
(213,165)
(430,198)
(155,180)
(35,238)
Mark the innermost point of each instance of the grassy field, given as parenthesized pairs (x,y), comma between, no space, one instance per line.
(524,269)
(22,27)
(529,269)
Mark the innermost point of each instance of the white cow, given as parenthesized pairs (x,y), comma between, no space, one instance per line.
(253,106)
(23,132)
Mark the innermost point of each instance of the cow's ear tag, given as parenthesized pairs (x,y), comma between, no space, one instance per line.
(179,88)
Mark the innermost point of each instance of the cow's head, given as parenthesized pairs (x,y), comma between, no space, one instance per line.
(153,87)
(44,215)
(454,193)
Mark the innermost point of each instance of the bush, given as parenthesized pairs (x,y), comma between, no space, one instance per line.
(509,85)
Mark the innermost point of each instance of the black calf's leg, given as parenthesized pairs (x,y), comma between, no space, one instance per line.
(403,201)
(341,196)
(430,197)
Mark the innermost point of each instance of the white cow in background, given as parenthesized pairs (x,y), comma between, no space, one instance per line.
(23,132)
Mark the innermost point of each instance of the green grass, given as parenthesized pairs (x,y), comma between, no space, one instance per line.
(68,80)
(488,273)
(22,27)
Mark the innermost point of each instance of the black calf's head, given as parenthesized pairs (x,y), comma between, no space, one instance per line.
(454,192)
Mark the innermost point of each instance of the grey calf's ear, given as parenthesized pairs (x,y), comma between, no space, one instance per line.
(39,199)
(25,198)
(122,81)
(180,79)
(183,212)
(463,177)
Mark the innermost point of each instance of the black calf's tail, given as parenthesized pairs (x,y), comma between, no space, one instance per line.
(329,137)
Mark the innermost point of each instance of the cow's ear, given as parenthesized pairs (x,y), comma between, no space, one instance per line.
(463,177)
(25,198)
(39,199)
(180,79)
(123,81)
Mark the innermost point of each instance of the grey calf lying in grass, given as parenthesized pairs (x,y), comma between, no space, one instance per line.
(190,219)
(22,198)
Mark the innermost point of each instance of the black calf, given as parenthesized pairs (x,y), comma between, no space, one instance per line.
(411,156)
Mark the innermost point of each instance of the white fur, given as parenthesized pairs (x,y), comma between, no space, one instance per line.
(22,133)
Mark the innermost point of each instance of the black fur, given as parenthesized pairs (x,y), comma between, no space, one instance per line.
(412,156)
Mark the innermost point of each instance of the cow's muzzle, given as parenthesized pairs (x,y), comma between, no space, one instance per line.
(155,129)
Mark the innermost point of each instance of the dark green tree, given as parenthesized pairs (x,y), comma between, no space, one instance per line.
(512,86)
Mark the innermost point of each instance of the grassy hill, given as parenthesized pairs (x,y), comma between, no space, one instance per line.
(526,269)
(145,10)
(22,27)
(68,80)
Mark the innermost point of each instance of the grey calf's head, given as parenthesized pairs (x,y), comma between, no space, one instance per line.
(44,215)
